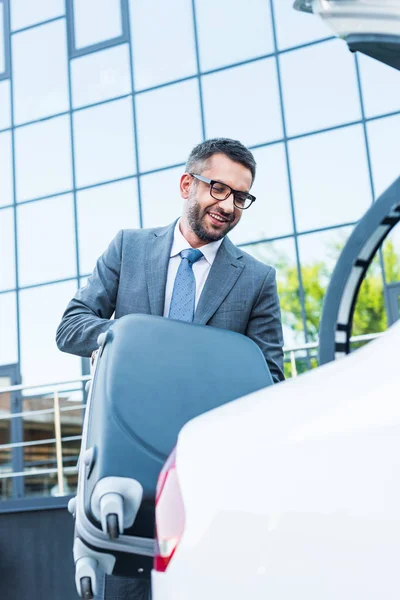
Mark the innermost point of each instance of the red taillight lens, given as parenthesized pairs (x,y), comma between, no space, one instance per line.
(170,515)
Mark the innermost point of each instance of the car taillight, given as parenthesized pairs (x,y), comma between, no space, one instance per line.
(170,514)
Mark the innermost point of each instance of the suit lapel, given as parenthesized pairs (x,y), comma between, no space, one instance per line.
(157,259)
(223,275)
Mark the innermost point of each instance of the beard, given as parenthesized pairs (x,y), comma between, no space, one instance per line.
(196,219)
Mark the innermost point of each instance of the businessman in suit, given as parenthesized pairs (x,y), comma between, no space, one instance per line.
(188,270)
(137,272)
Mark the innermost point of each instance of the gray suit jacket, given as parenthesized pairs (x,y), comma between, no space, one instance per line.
(130,277)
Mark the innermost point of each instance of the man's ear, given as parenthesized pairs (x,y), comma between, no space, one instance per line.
(185,183)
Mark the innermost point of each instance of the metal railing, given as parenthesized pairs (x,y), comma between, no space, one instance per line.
(291,352)
(48,390)
(54,389)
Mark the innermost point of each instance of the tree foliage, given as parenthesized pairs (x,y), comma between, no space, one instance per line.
(369,315)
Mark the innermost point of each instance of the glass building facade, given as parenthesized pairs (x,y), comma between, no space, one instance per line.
(102,101)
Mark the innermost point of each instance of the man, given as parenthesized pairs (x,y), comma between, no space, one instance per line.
(223,286)
(188,270)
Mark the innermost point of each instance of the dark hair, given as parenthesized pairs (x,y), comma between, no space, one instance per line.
(233,149)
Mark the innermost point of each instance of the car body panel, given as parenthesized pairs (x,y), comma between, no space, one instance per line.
(294,489)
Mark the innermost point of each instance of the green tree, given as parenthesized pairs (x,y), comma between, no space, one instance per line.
(369,315)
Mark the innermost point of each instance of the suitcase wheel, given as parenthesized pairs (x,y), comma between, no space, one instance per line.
(112,526)
(86,588)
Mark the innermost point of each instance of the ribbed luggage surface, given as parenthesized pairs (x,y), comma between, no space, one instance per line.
(152,376)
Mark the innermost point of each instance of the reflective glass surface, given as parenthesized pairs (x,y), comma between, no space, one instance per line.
(5,437)
(100,76)
(380,85)
(45,227)
(270,215)
(369,312)
(243,103)
(294,28)
(157,57)
(391,255)
(318,256)
(41,309)
(319,87)
(2,40)
(161,199)
(330,178)
(40,77)
(96,22)
(169,124)
(8,328)
(328,172)
(25,12)
(384,145)
(104,143)
(6,176)
(7,250)
(102,212)
(43,158)
(281,255)
(5,106)
(222,25)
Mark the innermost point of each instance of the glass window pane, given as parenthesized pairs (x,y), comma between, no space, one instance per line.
(41,309)
(320,87)
(380,85)
(243,103)
(231,32)
(26,12)
(270,215)
(40,77)
(7,250)
(281,255)
(2,49)
(114,207)
(96,22)
(330,178)
(169,124)
(5,105)
(294,28)
(319,253)
(100,76)
(384,146)
(43,158)
(161,198)
(370,313)
(46,251)
(8,328)
(166,60)
(6,178)
(391,255)
(5,438)
(104,142)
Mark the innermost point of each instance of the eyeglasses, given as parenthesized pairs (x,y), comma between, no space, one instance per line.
(221,191)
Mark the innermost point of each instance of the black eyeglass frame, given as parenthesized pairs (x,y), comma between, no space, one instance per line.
(212,182)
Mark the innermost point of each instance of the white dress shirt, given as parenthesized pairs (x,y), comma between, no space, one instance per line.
(201,268)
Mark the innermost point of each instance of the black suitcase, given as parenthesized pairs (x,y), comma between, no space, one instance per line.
(151,376)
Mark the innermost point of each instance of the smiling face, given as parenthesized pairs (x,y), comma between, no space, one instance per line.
(205,219)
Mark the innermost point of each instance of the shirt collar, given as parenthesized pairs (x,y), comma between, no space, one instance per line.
(180,243)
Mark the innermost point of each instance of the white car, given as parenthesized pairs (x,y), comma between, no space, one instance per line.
(290,492)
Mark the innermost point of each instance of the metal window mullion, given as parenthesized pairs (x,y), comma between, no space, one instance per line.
(73,52)
(6,74)
(199,77)
(16,425)
(125,16)
(371,177)
(290,183)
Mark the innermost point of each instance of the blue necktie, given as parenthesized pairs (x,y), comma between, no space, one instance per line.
(184,292)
